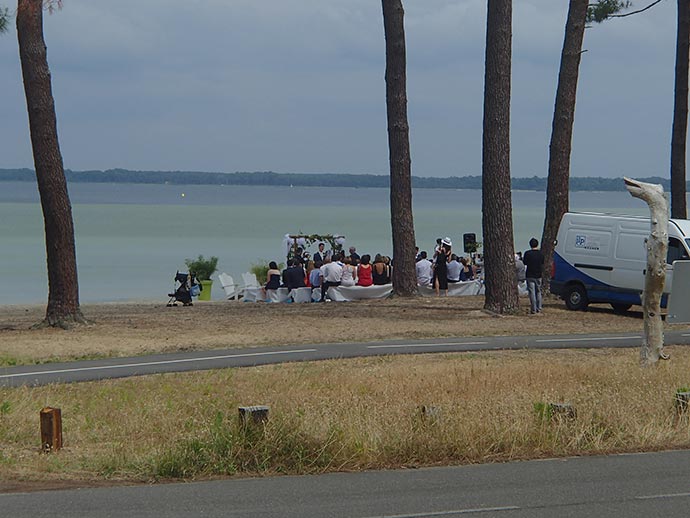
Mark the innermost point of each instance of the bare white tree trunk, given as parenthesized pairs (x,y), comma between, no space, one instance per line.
(657,245)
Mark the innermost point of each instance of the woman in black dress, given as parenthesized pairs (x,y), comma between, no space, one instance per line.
(272,277)
(441,267)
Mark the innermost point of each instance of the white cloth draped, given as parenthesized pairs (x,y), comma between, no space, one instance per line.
(346,293)
(455,289)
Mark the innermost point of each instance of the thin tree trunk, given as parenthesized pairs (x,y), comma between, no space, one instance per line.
(497,216)
(652,349)
(404,276)
(558,181)
(680,113)
(63,291)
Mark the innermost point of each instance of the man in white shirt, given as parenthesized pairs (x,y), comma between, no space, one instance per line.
(453,269)
(331,273)
(424,270)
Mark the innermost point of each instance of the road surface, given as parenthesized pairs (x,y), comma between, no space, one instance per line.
(653,484)
(218,359)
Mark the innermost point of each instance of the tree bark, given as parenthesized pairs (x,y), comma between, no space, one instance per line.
(63,291)
(558,181)
(402,224)
(655,277)
(680,113)
(497,218)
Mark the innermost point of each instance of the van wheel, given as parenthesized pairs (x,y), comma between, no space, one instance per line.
(576,298)
(619,308)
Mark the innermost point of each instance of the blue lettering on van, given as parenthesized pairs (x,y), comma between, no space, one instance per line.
(583,241)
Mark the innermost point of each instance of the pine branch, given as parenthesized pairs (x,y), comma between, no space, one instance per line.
(635,12)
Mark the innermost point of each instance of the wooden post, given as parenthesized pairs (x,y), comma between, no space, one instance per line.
(51,429)
(253,415)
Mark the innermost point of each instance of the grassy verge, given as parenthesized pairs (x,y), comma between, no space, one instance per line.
(348,415)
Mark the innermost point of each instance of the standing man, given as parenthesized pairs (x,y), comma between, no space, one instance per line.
(320,255)
(534,262)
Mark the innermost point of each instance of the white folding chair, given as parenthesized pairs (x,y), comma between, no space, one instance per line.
(232,290)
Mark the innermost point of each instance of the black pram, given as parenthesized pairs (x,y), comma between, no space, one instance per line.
(188,287)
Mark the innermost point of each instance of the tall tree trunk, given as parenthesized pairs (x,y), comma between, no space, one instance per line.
(63,291)
(404,276)
(680,113)
(558,182)
(497,215)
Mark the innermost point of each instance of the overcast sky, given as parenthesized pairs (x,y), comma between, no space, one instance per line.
(298,86)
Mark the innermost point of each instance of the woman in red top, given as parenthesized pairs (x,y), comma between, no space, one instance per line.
(364,271)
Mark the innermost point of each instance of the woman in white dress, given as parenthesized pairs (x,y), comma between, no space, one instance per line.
(349,277)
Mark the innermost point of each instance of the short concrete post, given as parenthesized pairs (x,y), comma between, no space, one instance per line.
(51,429)
(253,415)
(430,414)
(559,411)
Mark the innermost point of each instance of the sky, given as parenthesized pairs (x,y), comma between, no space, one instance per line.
(298,86)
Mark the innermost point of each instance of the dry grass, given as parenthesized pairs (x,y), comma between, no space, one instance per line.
(348,415)
(137,328)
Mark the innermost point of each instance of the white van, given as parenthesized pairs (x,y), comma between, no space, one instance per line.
(602,258)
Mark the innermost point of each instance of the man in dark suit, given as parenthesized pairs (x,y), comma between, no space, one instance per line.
(321,254)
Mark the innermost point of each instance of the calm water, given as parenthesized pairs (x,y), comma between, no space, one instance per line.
(131,239)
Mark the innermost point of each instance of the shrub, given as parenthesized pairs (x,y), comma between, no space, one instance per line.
(201,267)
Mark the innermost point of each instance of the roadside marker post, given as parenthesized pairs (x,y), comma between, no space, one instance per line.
(51,429)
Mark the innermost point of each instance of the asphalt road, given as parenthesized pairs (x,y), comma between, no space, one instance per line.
(217,359)
(653,484)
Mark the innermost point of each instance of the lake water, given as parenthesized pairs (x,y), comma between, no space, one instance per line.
(131,239)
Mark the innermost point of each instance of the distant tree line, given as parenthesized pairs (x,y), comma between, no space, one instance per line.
(534,183)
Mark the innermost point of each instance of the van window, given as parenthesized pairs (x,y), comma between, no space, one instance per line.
(676,251)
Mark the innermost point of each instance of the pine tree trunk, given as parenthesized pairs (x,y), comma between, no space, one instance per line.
(558,182)
(404,276)
(497,216)
(63,291)
(680,113)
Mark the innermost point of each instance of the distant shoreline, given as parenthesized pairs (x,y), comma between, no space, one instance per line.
(269,178)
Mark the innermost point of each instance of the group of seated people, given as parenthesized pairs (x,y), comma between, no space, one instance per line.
(335,268)
(327,269)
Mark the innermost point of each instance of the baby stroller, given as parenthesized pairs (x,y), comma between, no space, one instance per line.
(188,287)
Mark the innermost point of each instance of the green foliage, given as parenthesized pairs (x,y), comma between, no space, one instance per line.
(203,268)
(603,9)
(5,408)
(4,19)
(532,183)
(227,448)
(473,248)
(543,411)
(311,239)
